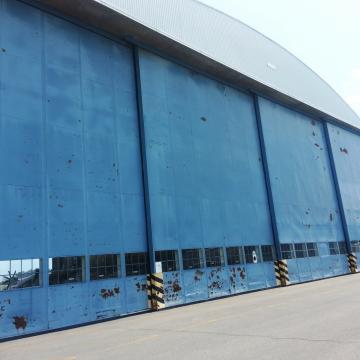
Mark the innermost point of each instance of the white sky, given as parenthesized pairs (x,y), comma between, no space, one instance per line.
(324,34)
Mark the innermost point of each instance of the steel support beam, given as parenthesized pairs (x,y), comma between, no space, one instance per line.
(142,140)
(269,192)
(337,187)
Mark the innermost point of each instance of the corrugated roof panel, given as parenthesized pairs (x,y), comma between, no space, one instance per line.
(236,45)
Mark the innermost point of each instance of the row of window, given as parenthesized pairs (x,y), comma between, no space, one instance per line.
(302,250)
(25,273)
(196,259)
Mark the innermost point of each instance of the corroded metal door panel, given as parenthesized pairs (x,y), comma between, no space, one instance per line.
(346,152)
(173,288)
(218,281)
(195,285)
(238,279)
(303,188)
(68,305)
(136,293)
(22,312)
(73,183)
(206,182)
(107,298)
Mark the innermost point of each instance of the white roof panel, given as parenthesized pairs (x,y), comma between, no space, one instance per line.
(234,44)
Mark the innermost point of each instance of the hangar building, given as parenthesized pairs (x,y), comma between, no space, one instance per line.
(159,152)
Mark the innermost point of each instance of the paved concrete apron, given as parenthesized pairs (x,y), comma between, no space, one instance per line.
(319,320)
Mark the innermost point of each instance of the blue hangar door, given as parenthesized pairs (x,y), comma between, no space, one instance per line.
(71,191)
(307,213)
(208,202)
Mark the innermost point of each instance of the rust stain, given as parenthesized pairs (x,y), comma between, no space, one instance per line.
(242,273)
(344,150)
(176,286)
(20,322)
(198,275)
(106,293)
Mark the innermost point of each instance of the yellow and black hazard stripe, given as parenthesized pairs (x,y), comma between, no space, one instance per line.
(284,272)
(155,291)
(277,273)
(352,261)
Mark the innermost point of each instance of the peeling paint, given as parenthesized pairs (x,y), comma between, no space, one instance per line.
(106,293)
(20,322)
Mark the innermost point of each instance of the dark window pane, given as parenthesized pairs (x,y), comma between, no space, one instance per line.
(104,266)
(312,249)
(214,257)
(333,248)
(342,247)
(267,253)
(287,251)
(300,251)
(136,264)
(63,270)
(169,260)
(192,259)
(355,246)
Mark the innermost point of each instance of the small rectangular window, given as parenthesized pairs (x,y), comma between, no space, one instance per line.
(252,254)
(19,274)
(214,257)
(136,264)
(267,252)
(342,247)
(104,266)
(287,251)
(169,260)
(235,255)
(192,259)
(334,248)
(312,249)
(300,251)
(355,246)
(68,269)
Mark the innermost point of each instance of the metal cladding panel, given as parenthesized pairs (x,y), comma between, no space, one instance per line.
(205,173)
(237,46)
(304,195)
(70,169)
(346,151)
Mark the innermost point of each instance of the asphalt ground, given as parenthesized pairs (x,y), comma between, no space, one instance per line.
(318,320)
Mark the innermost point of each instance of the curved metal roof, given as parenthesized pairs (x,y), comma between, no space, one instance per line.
(215,43)
(237,46)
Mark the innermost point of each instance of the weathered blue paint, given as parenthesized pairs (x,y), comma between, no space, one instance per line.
(205,170)
(346,152)
(302,184)
(110,149)
(70,169)
(195,285)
